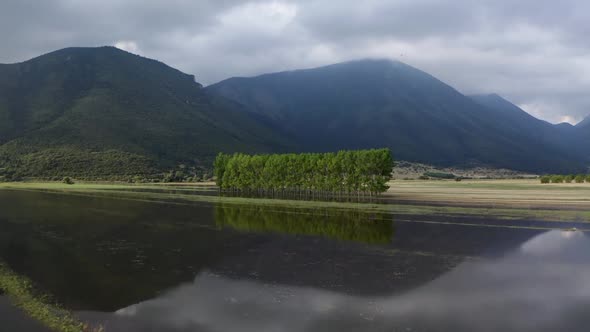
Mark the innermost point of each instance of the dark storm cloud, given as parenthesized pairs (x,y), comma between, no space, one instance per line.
(534,52)
(29,27)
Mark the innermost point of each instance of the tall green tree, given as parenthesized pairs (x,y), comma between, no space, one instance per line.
(219,167)
(363,172)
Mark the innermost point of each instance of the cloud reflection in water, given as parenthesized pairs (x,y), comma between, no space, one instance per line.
(542,286)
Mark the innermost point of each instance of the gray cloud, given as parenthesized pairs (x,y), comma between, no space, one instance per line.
(534,52)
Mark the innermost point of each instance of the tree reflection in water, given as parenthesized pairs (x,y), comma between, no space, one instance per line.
(346,225)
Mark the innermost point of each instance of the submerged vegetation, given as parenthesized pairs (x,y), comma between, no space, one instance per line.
(357,226)
(362,172)
(20,291)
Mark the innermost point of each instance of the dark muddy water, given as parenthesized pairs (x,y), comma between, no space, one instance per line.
(143,266)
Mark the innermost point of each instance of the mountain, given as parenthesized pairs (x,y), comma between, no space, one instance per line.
(103,112)
(370,103)
(565,137)
(512,114)
(584,124)
(584,130)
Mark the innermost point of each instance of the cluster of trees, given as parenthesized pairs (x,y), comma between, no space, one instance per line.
(580,178)
(56,163)
(184,173)
(438,175)
(359,172)
(111,165)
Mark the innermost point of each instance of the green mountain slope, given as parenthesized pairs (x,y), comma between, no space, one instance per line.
(373,103)
(103,111)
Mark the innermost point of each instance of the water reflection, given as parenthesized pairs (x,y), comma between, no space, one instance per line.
(102,254)
(375,228)
(542,286)
(13,319)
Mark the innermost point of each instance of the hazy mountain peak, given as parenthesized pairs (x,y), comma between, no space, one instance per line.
(498,103)
(564,125)
(584,123)
(382,102)
(373,61)
(496,96)
(68,52)
(491,97)
(91,60)
(358,67)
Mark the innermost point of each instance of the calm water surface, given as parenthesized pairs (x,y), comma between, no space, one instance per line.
(143,266)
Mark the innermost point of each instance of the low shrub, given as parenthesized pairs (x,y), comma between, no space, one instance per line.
(580,178)
(557,179)
(440,175)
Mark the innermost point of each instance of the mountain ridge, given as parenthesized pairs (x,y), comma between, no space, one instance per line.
(584,123)
(103,112)
(61,109)
(385,102)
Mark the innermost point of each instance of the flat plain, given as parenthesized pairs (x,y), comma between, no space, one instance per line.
(525,199)
(525,193)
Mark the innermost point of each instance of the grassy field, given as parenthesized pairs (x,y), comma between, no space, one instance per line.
(521,194)
(499,199)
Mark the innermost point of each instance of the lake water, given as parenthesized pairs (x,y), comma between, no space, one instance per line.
(145,266)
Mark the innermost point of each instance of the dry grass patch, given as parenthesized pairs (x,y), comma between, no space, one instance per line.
(529,194)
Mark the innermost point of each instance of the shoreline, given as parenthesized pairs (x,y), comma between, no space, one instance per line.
(425,202)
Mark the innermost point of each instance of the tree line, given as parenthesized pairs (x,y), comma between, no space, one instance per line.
(360,172)
(580,178)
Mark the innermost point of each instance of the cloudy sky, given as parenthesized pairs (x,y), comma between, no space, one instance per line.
(535,53)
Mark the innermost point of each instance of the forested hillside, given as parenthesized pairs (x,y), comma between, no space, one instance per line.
(102,112)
